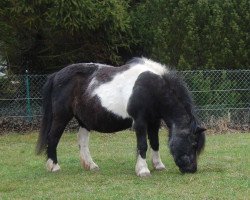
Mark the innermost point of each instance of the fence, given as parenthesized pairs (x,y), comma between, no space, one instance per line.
(221,97)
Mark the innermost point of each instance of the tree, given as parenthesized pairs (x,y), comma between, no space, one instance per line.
(195,34)
(45,35)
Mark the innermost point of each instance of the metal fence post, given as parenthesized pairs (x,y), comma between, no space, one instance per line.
(28,104)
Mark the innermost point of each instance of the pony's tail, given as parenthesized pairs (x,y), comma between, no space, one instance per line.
(47,115)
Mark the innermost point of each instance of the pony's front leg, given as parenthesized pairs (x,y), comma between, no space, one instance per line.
(141,167)
(86,159)
(156,160)
(153,136)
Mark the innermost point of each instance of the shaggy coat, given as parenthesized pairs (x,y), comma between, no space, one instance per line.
(109,99)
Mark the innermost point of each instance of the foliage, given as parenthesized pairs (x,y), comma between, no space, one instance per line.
(195,34)
(46,34)
(8,87)
(216,90)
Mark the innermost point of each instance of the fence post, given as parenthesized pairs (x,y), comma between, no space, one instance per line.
(28,104)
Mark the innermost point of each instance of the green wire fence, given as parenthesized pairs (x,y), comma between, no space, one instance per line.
(221,96)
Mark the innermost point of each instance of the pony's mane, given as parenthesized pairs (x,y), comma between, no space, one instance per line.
(179,88)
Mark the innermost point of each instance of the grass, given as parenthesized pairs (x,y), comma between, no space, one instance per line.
(223,173)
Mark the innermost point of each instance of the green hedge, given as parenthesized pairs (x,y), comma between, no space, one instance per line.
(46,35)
(210,34)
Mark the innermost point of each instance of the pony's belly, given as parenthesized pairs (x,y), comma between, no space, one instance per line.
(93,116)
(112,125)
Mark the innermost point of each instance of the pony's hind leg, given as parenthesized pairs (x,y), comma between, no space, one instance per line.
(54,136)
(85,157)
(153,136)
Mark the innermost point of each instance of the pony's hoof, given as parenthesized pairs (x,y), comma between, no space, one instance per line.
(51,166)
(89,166)
(94,167)
(144,173)
(159,166)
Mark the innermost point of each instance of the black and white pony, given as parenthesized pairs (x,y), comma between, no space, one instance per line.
(107,99)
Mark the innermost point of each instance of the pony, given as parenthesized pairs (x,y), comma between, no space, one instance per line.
(140,94)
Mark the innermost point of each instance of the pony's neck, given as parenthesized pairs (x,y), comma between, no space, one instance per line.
(177,102)
(178,122)
(176,116)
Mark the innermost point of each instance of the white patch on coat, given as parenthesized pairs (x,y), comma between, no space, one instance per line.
(114,95)
(156,68)
(141,167)
(83,141)
(51,166)
(156,159)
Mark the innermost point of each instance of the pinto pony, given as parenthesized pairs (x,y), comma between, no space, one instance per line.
(107,99)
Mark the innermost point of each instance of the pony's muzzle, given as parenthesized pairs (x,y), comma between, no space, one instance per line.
(187,164)
(190,169)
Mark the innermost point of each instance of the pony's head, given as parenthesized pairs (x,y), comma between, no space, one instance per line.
(185,146)
(187,137)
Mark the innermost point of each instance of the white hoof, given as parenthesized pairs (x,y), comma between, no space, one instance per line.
(141,167)
(51,166)
(144,172)
(94,167)
(156,160)
(90,166)
(159,166)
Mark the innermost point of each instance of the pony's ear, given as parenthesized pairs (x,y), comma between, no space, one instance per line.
(200,130)
(201,139)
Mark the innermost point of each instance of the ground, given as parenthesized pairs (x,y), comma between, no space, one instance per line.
(223,172)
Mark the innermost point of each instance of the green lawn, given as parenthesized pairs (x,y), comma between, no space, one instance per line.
(223,173)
